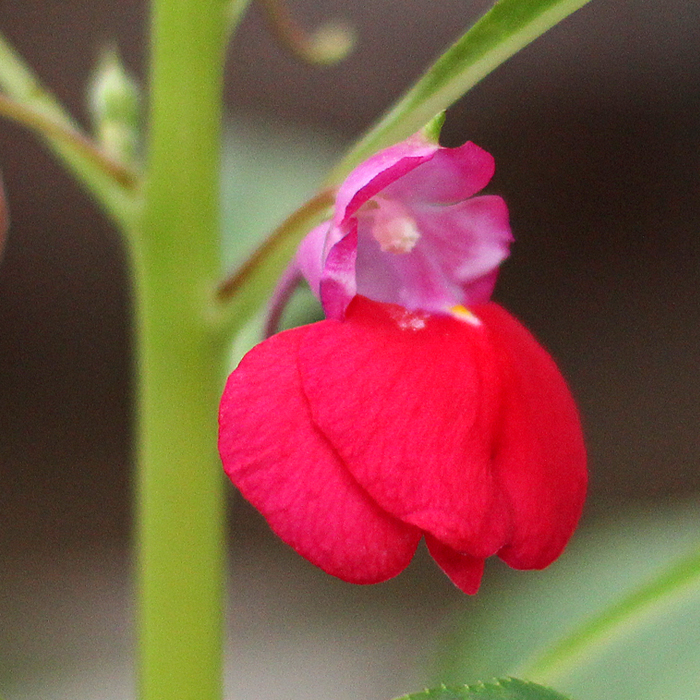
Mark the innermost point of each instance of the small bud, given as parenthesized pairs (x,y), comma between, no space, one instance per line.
(114,104)
(331,43)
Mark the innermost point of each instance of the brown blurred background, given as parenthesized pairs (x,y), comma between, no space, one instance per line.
(596,133)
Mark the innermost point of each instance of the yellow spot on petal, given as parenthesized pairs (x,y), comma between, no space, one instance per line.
(463,314)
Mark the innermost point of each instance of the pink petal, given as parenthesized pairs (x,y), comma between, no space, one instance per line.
(379,171)
(338,282)
(541,458)
(454,262)
(451,175)
(411,404)
(463,570)
(287,470)
(469,239)
(310,257)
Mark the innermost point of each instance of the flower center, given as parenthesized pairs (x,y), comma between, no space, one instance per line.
(393,227)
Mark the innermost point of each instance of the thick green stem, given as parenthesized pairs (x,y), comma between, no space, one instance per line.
(180,360)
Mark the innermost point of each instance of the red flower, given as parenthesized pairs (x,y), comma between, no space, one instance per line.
(356,438)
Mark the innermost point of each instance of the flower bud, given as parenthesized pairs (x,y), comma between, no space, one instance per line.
(114,104)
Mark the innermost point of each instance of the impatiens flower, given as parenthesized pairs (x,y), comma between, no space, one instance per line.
(407,230)
(406,415)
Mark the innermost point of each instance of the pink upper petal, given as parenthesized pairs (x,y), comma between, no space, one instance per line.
(339,281)
(289,471)
(423,190)
(379,171)
(410,403)
(451,175)
(541,458)
(454,262)
(310,256)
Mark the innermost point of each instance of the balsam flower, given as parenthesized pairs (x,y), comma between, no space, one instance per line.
(404,415)
(407,230)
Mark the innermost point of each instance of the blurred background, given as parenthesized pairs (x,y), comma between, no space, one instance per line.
(596,133)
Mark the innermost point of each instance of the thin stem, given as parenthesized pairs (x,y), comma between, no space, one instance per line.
(594,634)
(502,31)
(27,101)
(20,82)
(240,294)
(180,362)
(325,46)
(61,132)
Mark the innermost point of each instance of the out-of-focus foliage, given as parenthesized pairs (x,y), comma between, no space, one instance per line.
(655,655)
(268,171)
(502,689)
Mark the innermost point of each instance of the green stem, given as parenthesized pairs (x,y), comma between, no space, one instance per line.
(594,634)
(181,360)
(70,138)
(113,187)
(239,296)
(501,32)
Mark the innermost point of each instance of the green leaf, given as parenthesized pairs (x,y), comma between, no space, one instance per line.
(616,618)
(502,689)
(509,26)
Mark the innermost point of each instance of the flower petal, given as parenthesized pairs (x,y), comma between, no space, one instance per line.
(310,257)
(541,459)
(411,403)
(469,240)
(455,262)
(338,282)
(451,175)
(463,570)
(287,470)
(379,171)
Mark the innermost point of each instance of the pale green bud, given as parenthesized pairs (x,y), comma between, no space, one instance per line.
(114,103)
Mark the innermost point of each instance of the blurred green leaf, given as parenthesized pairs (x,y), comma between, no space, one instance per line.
(517,618)
(268,171)
(502,689)
(506,28)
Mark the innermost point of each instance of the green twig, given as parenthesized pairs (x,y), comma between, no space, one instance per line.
(27,102)
(240,294)
(70,138)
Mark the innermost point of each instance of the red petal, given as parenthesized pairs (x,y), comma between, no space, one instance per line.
(289,472)
(411,404)
(541,458)
(464,570)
